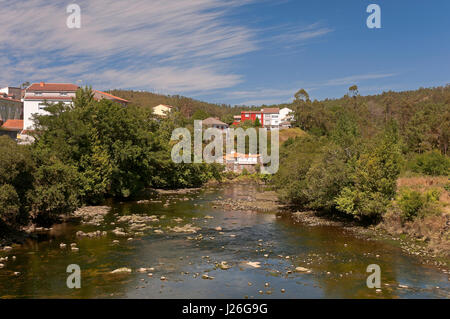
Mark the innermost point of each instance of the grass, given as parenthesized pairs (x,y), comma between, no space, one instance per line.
(291,132)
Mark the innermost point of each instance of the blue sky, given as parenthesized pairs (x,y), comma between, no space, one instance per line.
(235,52)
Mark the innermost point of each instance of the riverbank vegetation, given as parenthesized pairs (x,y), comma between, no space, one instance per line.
(356,152)
(86,153)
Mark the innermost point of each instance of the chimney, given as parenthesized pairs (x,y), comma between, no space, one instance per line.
(42,84)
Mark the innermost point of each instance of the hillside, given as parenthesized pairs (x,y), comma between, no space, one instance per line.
(187,106)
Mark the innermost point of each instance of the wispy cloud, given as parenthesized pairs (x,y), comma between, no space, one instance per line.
(355,79)
(179,45)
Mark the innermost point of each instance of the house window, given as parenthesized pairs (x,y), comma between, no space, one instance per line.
(38,93)
(41,106)
(63,93)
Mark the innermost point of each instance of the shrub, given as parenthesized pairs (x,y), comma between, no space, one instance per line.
(413,204)
(432,163)
(16,179)
(410,203)
(56,190)
(9,205)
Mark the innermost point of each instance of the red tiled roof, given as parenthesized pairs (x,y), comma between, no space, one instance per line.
(213,121)
(13,125)
(250,112)
(112,96)
(271,110)
(65,98)
(8,99)
(52,87)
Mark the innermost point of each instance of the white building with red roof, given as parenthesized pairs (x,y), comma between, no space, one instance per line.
(38,94)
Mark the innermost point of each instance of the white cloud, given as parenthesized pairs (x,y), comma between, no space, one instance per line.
(175,45)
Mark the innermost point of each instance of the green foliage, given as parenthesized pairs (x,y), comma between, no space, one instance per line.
(341,173)
(16,178)
(97,149)
(9,205)
(373,178)
(410,203)
(415,204)
(200,115)
(431,163)
(56,189)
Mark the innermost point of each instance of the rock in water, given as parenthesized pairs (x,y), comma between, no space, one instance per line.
(302,269)
(255,264)
(123,270)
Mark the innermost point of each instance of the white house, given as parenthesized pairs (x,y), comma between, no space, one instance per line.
(286,115)
(37,94)
(162,110)
(10,92)
(271,117)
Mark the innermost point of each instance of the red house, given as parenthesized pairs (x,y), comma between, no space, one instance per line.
(252,116)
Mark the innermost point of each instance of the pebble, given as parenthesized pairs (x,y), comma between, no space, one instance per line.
(121,270)
(62,245)
(302,269)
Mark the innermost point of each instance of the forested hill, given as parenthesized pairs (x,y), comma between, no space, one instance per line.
(422,116)
(187,106)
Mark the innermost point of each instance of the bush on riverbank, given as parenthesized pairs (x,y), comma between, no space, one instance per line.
(16,179)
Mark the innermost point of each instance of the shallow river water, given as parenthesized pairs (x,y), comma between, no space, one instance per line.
(337,259)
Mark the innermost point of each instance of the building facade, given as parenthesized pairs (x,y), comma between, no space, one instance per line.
(11,93)
(252,116)
(38,94)
(10,109)
(271,118)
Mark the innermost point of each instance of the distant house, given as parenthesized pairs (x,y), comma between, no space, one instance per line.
(271,118)
(251,116)
(99,95)
(12,128)
(10,109)
(236,120)
(162,110)
(286,115)
(215,123)
(268,117)
(285,125)
(11,92)
(37,94)
(237,162)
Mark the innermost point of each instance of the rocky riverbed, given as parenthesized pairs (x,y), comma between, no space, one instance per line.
(187,245)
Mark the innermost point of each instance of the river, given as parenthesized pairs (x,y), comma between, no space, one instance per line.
(337,259)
